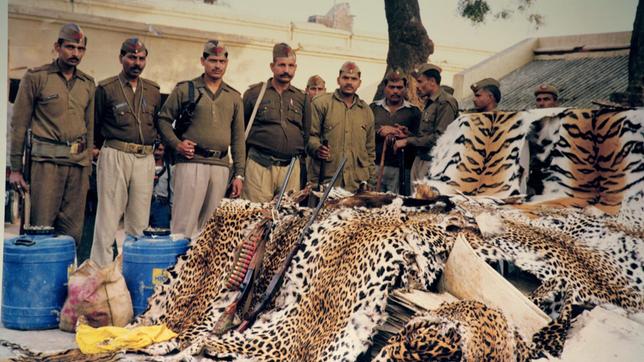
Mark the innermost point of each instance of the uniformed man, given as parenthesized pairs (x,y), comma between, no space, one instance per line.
(279,129)
(440,110)
(394,118)
(546,96)
(315,85)
(125,133)
(201,172)
(57,102)
(487,94)
(346,123)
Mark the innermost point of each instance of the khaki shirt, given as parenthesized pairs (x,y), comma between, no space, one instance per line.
(217,123)
(55,109)
(409,116)
(123,114)
(440,110)
(282,122)
(350,132)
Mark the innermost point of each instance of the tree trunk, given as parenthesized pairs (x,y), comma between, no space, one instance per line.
(635,88)
(409,44)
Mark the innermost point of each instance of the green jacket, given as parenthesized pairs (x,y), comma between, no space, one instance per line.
(440,110)
(350,132)
(56,110)
(217,123)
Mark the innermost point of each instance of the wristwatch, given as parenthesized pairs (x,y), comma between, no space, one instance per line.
(240,177)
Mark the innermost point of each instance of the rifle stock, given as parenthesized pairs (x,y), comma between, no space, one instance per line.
(26,194)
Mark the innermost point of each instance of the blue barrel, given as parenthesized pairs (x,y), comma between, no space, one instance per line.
(34,278)
(145,260)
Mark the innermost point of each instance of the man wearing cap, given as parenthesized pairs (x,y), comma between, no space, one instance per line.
(440,110)
(487,94)
(394,118)
(217,123)
(546,96)
(125,132)
(56,101)
(279,130)
(346,123)
(316,85)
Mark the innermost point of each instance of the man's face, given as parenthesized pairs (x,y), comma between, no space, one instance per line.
(70,53)
(426,86)
(349,83)
(316,89)
(482,100)
(546,100)
(215,66)
(158,151)
(134,63)
(395,92)
(284,69)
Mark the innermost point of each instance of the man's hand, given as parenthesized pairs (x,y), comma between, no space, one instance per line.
(401,143)
(187,149)
(385,131)
(18,182)
(95,152)
(324,152)
(237,186)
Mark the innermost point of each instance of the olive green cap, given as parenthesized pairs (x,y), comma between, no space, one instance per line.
(72,32)
(216,48)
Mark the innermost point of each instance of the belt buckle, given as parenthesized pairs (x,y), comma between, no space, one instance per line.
(74,148)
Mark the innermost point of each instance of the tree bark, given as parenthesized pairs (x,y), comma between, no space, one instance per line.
(635,88)
(409,44)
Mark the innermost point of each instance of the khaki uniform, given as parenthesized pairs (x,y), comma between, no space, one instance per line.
(409,116)
(278,133)
(440,110)
(200,183)
(125,129)
(61,116)
(350,133)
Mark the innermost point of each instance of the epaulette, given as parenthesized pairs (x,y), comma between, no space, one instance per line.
(183,81)
(39,69)
(84,75)
(231,88)
(107,81)
(151,82)
(255,85)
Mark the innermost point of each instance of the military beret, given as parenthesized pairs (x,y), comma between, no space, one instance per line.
(72,32)
(216,48)
(282,50)
(448,89)
(315,80)
(395,75)
(547,88)
(350,67)
(485,83)
(421,69)
(133,45)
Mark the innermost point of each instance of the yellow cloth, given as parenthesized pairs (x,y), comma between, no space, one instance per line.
(106,339)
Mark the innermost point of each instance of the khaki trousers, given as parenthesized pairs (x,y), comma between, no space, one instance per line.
(58,194)
(264,183)
(419,171)
(124,182)
(198,190)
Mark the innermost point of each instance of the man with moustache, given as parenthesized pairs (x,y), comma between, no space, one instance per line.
(279,130)
(440,110)
(125,133)
(314,86)
(56,101)
(346,123)
(546,96)
(487,94)
(217,123)
(394,118)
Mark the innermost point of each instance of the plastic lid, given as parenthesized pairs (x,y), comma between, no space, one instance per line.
(156,232)
(38,230)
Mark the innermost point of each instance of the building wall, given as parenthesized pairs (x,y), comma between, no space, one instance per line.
(174,33)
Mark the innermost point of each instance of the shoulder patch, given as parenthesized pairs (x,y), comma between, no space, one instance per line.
(107,81)
(152,83)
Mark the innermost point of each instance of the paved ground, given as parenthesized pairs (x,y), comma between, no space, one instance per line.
(41,341)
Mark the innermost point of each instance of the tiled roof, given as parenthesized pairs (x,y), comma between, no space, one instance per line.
(579,81)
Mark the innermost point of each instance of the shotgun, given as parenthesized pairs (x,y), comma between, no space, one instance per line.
(249,261)
(278,278)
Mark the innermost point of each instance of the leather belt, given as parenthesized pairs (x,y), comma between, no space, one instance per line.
(46,147)
(204,152)
(267,160)
(128,147)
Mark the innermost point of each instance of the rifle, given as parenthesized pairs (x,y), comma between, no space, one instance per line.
(249,261)
(25,218)
(187,110)
(278,278)
(402,186)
